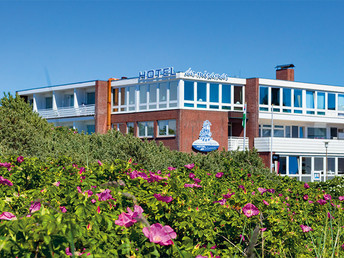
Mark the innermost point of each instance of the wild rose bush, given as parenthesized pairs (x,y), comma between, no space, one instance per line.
(59,209)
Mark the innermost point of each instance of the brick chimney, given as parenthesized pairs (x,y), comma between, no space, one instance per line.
(285,72)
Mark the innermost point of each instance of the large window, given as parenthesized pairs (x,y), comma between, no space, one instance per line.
(90,98)
(214,93)
(263,95)
(189,90)
(226,93)
(340,102)
(173,93)
(294,165)
(316,133)
(48,102)
(201,92)
(145,129)
(298,98)
(143,97)
(130,128)
(238,99)
(152,96)
(275,96)
(331,101)
(286,97)
(321,100)
(167,127)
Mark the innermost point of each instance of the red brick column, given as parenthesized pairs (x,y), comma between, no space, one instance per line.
(252,99)
(101,96)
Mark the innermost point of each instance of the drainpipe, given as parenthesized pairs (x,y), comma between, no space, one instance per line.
(108,125)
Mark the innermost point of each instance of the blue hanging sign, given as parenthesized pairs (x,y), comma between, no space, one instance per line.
(161,72)
(205,143)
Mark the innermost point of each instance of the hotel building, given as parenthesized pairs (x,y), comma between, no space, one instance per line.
(301,124)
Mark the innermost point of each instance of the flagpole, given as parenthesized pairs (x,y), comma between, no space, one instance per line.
(272,135)
(244,124)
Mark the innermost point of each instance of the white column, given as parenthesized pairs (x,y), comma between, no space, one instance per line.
(76,104)
(34,103)
(54,101)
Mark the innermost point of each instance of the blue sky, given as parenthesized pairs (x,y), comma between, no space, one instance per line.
(58,42)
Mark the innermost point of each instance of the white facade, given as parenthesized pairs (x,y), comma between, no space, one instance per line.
(70,105)
(305,117)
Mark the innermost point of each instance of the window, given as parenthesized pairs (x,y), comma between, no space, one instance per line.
(167,127)
(298,98)
(275,96)
(282,166)
(130,128)
(263,95)
(226,93)
(287,131)
(319,164)
(238,95)
(131,91)
(266,131)
(286,97)
(321,100)
(214,93)
(90,98)
(173,93)
(201,92)
(48,102)
(143,97)
(340,102)
(331,101)
(293,165)
(310,99)
(340,165)
(91,129)
(331,165)
(189,90)
(163,95)
(146,129)
(118,99)
(278,131)
(152,96)
(316,133)
(294,132)
(69,100)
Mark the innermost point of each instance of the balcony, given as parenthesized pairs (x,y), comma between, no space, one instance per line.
(299,145)
(87,110)
(237,142)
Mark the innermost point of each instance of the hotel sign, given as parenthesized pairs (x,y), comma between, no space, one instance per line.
(205,143)
(161,72)
(205,75)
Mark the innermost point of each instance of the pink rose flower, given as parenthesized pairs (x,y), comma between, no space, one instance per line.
(20,159)
(341,198)
(250,210)
(219,175)
(129,219)
(99,162)
(63,209)
(171,168)
(159,234)
(321,201)
(266,203)
(57,183)
(4,181)
(35,207)
(105,195)
(306,185)
(189,166)
(327,197)
(306,228)
(166,199)
(7,216)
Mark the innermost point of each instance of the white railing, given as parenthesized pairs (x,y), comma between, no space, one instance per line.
(237,142)
(299,145)
(87,110)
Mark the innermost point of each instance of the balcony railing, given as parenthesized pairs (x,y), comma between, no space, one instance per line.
(299,145)
(237,142)
(87,110)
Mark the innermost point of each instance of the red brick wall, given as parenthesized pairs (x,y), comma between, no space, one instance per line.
(252,99)
(191,122)
(101,95)
(169,141)
(286,74)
